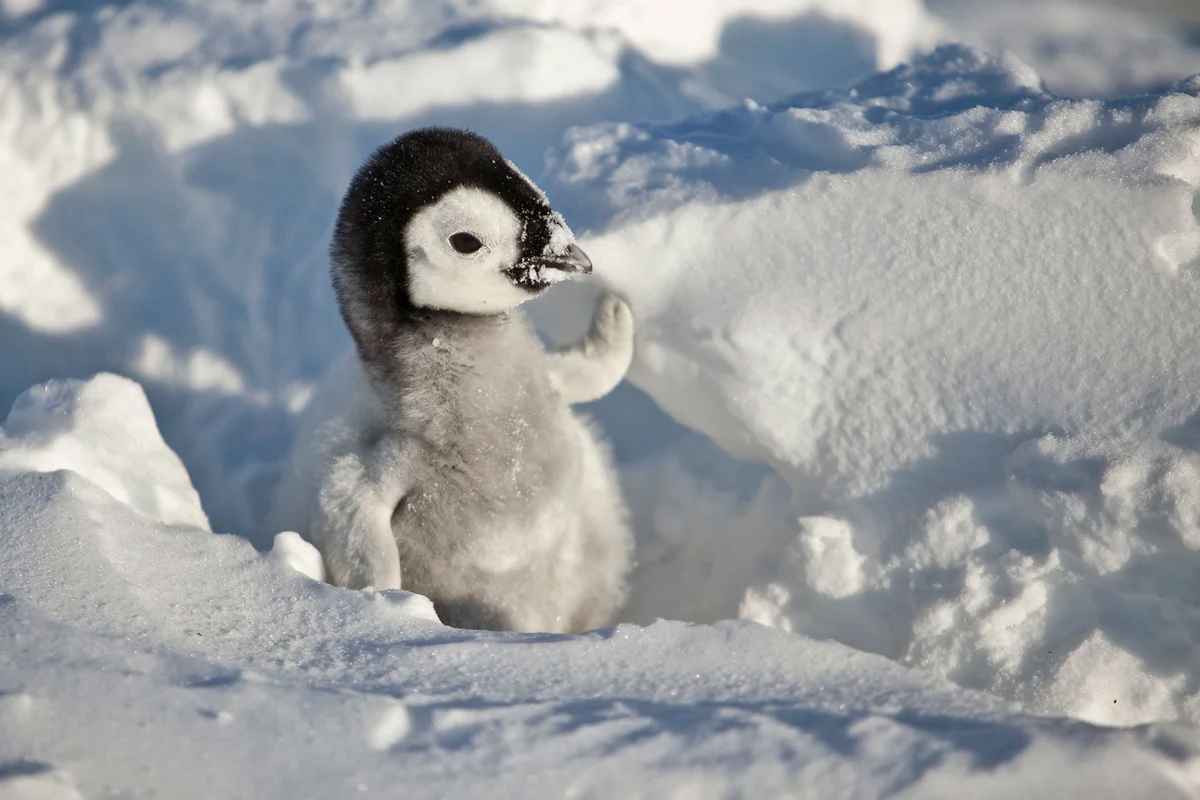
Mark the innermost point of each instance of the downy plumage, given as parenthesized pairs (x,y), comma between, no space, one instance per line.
(441,455)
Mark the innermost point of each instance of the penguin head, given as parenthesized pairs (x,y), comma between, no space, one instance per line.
(439,220)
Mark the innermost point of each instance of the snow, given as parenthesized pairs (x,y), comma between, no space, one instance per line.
(127,630)
(912,452)
(104,431)
(1099,49)
(951,311)
(293,552)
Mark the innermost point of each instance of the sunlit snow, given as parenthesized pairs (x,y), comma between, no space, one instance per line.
(911,441)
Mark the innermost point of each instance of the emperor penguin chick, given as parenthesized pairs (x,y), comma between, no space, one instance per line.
(442,455)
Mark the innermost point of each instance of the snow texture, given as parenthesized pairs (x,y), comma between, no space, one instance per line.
(913,389)
(1100,49)
(127,635)
(952,313)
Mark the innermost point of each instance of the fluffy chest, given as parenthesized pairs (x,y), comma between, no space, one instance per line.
(492,450)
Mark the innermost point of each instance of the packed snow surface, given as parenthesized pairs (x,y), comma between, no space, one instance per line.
(914,388)
(147,655)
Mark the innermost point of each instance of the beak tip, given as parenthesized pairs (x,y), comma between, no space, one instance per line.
(578,259)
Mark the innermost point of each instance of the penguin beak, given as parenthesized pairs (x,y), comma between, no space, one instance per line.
(575,260)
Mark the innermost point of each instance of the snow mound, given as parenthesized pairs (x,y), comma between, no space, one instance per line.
(954,314)
(292,551)
(161,633)
(104,430)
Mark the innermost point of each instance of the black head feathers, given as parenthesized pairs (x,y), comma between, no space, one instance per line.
(370,269)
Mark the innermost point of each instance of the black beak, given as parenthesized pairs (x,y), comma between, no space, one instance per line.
(574,261)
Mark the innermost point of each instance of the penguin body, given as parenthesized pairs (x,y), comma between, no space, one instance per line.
(441,455)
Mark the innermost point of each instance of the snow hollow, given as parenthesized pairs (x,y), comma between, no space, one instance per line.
(911,441)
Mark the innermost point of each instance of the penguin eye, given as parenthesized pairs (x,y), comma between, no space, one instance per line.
(465,243)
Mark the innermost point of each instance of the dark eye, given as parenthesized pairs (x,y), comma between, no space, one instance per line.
(465,243)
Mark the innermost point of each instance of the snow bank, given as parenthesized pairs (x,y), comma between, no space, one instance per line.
(173,173)
(1084,49)
(954,314)
(143,657)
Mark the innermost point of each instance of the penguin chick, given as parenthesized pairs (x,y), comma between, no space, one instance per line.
(441,454)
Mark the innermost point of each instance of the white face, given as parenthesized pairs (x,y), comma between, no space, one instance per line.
(462,278)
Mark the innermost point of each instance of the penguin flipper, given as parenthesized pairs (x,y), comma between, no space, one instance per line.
(593,368)
(351,516)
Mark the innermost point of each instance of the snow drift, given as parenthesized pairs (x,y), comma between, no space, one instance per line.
(129,629)
(954,314)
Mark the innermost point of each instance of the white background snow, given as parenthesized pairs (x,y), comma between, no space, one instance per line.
(915,389)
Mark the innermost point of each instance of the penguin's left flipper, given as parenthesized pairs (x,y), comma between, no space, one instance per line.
(593,368)
(352,515)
